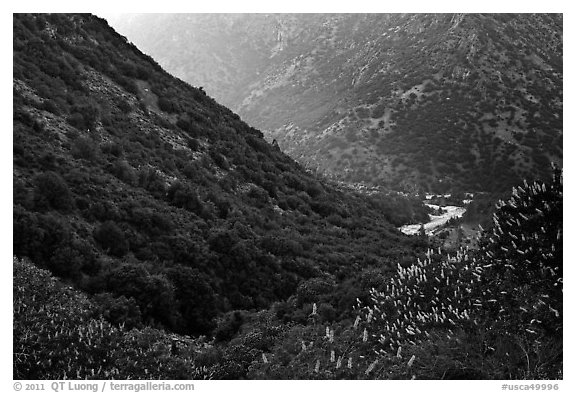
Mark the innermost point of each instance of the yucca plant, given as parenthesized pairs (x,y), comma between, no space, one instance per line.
(505,299)
(58,336)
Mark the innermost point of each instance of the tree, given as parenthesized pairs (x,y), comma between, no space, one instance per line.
(422,231)
(153,293)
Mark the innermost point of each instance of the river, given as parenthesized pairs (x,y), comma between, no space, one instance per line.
(436,221)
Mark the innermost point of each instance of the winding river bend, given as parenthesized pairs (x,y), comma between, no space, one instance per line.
(436,221)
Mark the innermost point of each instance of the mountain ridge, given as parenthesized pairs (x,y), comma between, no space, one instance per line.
(138,187)
(384,99)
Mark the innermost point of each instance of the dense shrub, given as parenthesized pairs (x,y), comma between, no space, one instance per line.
(197,301)
(111,238)
(52,192)
(84,117)
(123,171)
(119,311)
(150,179)
(167,105)
(184,196)
(58,336)
(85,148)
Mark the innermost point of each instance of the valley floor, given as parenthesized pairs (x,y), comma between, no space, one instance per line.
(436,221)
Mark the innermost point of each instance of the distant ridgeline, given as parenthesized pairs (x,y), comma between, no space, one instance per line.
(146,193)
(440,102)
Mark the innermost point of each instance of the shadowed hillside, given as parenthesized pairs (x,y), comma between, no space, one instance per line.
(141,189)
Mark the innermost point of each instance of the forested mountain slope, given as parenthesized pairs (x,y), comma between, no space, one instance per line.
(157,236)
(140,188)
(432,101)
